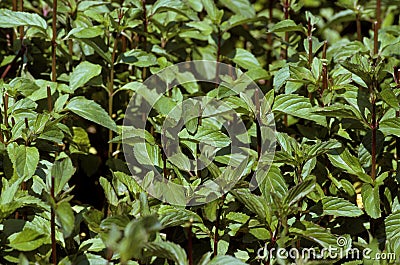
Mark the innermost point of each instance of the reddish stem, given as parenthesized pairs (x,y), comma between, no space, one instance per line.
(269,42)
(284,52)
(378,14)
(376,28)
(358,23)
(373,141)
(54,43)
(258,121)
(49,99)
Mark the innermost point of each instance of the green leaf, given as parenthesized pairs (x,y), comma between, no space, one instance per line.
(8,191)
(138,58)
(136,236)
(256,74)
(92,244)
(82,74)
(371,200)
(390,126)
(93,219)
(300,191)
(281,77)
(212,10)
(242,7)
(273,185)
(341,16)
(104,54)
(338,111)
(390,98)
(118,221)
(62,171)
(320,148)
(27,240)
(315,233)
(286,26)
(301,74)
(109,191)
(245,59)
(161,4)
(349,164)
(225,260)
(392,229)
(91,111)
(11,19)
(86,32)
(254,203)
(66,217)
(339,207)
(211,137)
(172,216)
(360,66)
(168,250)
(210,210)
(297,106)
(24,158)
(89,259)
(128,181)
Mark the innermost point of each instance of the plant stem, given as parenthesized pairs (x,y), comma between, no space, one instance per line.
(358,23)
(218,57)
(398,146)
(190,244)
(376,28)
(109,255)
(198,155)
(53,224)
(164,155)
(49,100)
(324,49)
(1,136)
(324,74)
(111,95)
(54,43)
(14,61)
(374,125)
(310,53)
(5,122)
(373,141)
(284,51)
(217,222)
(258,121)
(396,77)
(69,43)
(54,79)
(273,241)
(111,83)
(378,14)
(269,42)
(324,81)
(145,30)
(21,28)
(5,100)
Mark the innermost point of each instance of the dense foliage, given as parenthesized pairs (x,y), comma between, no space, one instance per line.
(330,70)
